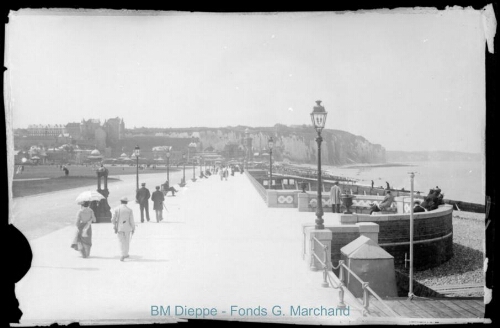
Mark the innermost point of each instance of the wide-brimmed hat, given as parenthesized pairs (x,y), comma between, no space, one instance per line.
(124,199)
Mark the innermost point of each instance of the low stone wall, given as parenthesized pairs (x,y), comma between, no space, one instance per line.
(341,235)
(360,203)
(433,235)
(258,186)
(307,201)
(282,198)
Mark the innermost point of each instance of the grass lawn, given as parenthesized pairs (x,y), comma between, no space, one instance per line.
(33,187)
(79,176)
(53,171)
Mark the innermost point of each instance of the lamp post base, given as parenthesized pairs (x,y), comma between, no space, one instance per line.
(319,220)
(319,226)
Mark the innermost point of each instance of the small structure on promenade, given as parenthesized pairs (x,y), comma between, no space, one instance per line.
(372,264)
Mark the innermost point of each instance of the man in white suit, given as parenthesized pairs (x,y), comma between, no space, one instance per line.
(123,221)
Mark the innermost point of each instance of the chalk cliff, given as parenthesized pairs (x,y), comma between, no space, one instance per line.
(295,143)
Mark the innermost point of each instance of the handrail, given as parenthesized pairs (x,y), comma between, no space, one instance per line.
(365,286)
(258,186)
(326,263)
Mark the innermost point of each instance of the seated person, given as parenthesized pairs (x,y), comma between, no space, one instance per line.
(418,208)
(428,199)
(384,204)
(167,188)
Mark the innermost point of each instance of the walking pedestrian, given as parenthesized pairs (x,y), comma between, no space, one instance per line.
(158,199)
(124,225)
(142,198)
(83,238)
(335,197)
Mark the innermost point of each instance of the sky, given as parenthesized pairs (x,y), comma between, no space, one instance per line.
(408,79)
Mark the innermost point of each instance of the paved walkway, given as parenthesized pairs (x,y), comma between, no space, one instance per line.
(220,247)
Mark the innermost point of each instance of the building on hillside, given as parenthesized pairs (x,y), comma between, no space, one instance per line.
(233,150)
(21,133)
(74,130)
(100,138)
(88,128)
(46,130)
(115,128)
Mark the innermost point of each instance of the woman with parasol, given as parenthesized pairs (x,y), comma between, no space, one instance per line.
(84,218)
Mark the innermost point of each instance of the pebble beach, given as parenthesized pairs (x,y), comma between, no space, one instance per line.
(467,264)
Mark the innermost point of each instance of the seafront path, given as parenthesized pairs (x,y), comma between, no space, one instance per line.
(219,247)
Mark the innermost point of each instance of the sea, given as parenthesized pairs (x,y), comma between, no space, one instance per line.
(458,180)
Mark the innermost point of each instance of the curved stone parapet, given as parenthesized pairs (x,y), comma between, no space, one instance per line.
(432,236)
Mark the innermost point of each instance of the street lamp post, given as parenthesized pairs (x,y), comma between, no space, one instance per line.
(318,117)
(270,143)
(194,172)
(168,165)
(183,182)
(193,146)
(137,152)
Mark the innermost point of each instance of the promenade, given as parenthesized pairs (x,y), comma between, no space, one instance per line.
(219,247)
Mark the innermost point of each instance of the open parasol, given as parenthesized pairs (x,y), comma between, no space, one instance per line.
(88,196)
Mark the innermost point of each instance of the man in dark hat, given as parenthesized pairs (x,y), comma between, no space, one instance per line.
(418,208)
(158,199)
(142,197)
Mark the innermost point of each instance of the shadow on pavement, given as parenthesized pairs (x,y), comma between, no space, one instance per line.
(132,258)
(51,267)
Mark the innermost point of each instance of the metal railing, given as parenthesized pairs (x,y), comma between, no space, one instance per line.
(328,279)
(260,188)
(326,264)
(366,290)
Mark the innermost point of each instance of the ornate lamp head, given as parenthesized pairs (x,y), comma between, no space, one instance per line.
(318,116)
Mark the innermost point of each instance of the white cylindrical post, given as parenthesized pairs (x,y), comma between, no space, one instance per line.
(410,292)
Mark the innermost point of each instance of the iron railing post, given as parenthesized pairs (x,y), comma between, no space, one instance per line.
(325,267)
(313,267)
(341,272)
(341,304)
(366,297)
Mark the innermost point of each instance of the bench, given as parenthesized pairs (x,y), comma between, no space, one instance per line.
(363,207)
